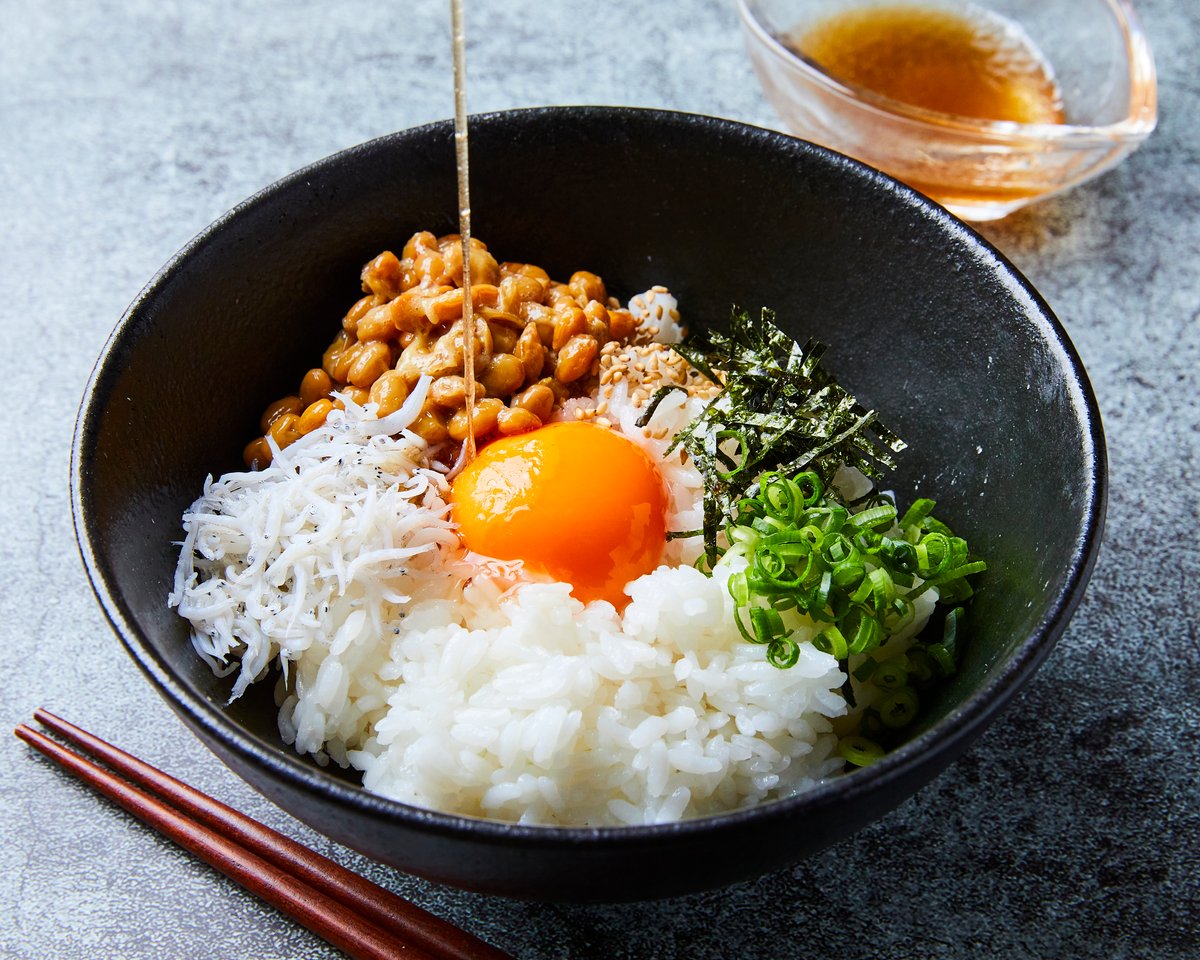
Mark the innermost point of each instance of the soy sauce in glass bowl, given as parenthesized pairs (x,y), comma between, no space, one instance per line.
(985,109)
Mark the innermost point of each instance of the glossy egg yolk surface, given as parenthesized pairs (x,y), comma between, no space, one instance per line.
(576,501)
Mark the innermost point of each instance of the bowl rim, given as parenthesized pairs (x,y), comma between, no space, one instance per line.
(1138,123)
(946,738)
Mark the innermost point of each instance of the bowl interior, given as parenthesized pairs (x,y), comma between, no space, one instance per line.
(927,324)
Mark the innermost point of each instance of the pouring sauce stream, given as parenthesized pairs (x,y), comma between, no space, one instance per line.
(458,31)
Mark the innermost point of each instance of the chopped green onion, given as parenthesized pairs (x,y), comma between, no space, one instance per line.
(920,664)
(830,640)
(835,548)
(859,750)
(860,588)
(891,674)
(942,657)
(900,612)
(738,589)
(780,495)
(783,652)
(768,447)
(867,632)
(874,517)
(811,487)
(766,623)
(899,708)
(918,510)
(950,629)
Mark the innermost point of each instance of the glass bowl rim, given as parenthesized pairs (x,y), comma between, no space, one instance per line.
(1138,123)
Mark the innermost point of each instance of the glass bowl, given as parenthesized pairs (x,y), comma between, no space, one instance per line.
(979,169)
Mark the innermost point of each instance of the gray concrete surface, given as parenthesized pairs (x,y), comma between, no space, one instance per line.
(1071,830)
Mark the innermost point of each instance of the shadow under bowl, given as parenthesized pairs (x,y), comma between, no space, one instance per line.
(928,323)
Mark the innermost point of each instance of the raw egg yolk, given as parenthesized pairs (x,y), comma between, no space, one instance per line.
(576,501)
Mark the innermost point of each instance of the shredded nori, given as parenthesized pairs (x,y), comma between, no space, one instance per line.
(780,409)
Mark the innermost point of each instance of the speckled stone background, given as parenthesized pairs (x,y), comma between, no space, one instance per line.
(1072,829)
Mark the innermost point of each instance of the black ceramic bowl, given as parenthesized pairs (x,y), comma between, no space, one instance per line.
(928,323)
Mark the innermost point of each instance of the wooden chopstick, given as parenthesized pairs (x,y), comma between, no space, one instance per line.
(349,911)
(385,909)
(319,913)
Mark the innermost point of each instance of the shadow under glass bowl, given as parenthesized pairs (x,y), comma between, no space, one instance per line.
(927,322)
(979,169)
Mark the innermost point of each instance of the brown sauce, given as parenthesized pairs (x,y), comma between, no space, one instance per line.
(976,64)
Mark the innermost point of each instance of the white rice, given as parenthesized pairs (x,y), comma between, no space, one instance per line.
(556,712)
(465,685)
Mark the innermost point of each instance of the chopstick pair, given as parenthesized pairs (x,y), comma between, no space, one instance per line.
(358,917)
